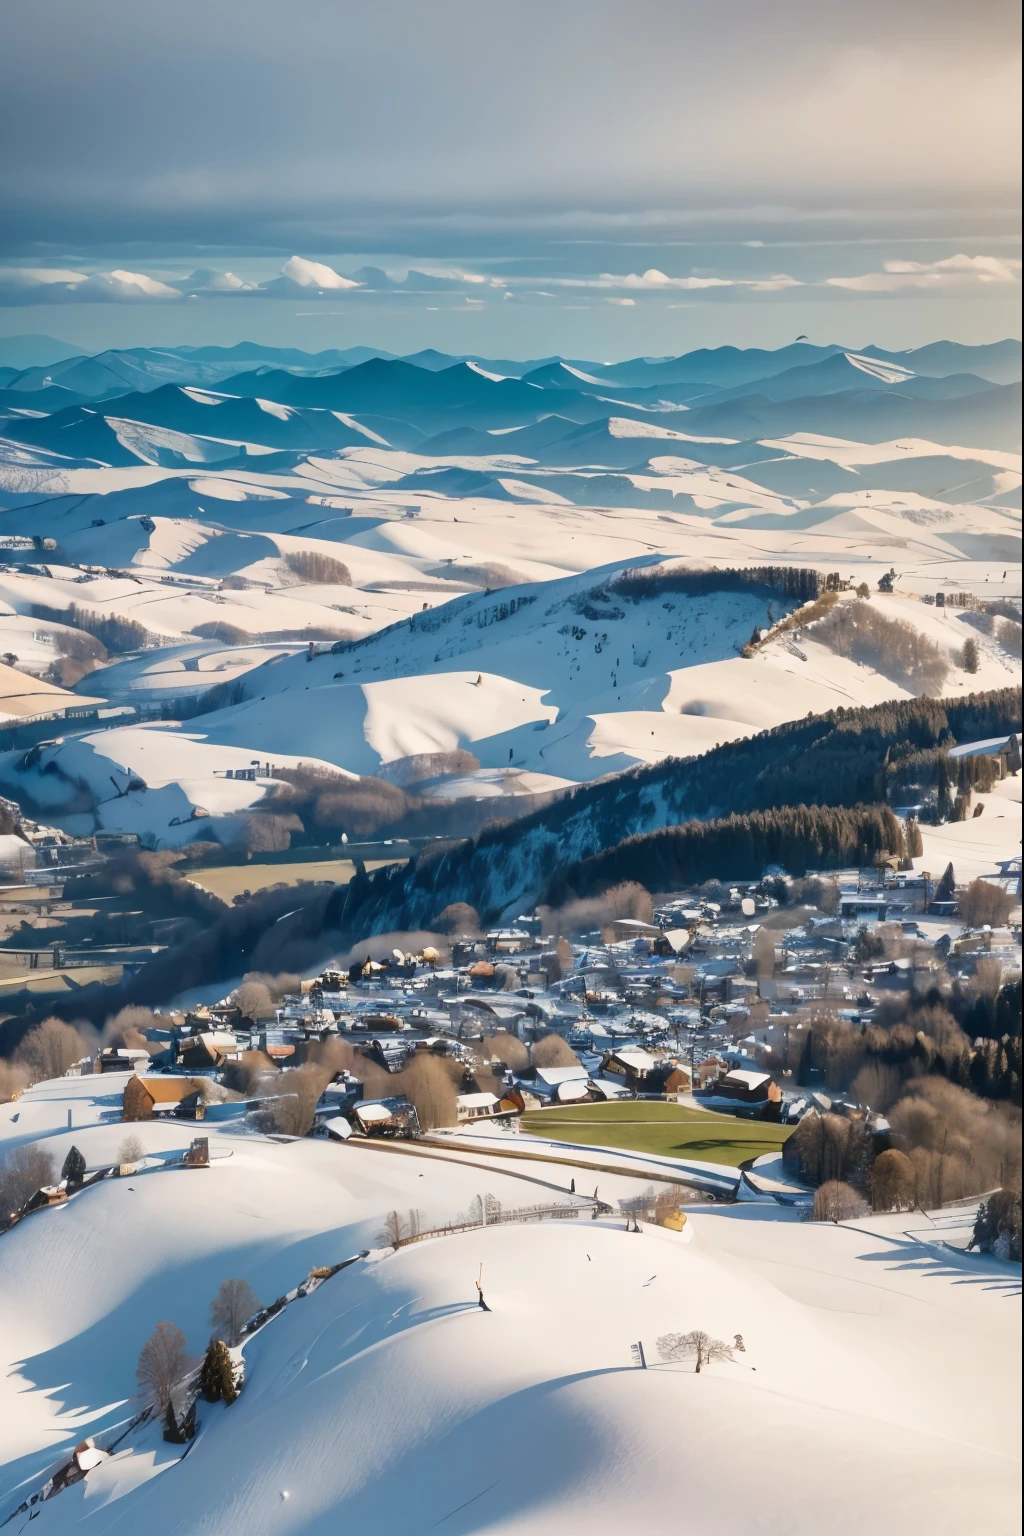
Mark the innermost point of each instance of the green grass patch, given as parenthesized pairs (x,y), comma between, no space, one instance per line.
(667,1130)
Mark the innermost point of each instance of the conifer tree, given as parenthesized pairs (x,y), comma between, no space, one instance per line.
(73,1171)
(217,1376)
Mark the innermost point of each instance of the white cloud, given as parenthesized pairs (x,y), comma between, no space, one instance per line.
(653,281)
(313,274)
(455,275)
(954,271)
(55,285)
(626,303)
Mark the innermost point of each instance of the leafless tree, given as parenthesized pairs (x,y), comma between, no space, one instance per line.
(13,1078)
(764,952)
(392,1233)
(50,1049)
(297,1093)
(428,1085)
(23,1171)
(507,1048)
(893,1182)
(232,1306)
(131,1150)
(254,1000)
(163,1361)
(128,1026)
(695,1345)
(553,1051)
(983,903)
(835,1202)
(458,918)
(988,975)
(317,569)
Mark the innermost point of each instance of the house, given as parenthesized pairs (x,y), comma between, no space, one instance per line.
(560,1085)
(634,1066)
(121,1058)
(862,906)
(476,1106)
(677,1079)
(754,1088)
(156,1094)
(508,941)
(386,1117)
(633,928)
(207,1051)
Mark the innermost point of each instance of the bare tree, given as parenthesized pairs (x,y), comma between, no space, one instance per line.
(988,975)
(254,1000)
(553,1051)
(22,1172)
(458,918)
(232,1306)
(50,1049)
(507,1048)
(893,1182)
(392,1233)
(13,1079)
(983,903)
(297,1092)
(835,1202)
(130,1150)
(128,1026)
(428,1085)
(695,1345)
(163,1361)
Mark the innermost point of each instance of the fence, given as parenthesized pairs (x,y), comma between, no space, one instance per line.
(555,1211)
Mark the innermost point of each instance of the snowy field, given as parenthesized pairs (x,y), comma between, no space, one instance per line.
(878,1387)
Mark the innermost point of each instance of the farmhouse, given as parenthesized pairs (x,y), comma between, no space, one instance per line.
(754,1088)
(145,1097)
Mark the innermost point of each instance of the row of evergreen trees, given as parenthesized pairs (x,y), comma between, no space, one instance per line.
(796,838)
(786,581)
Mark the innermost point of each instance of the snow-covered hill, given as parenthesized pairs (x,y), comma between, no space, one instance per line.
(285,503)
(878,1384)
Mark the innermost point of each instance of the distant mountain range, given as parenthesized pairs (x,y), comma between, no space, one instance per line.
(160,407)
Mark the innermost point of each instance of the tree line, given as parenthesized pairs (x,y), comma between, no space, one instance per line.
(788,581)
(736,847)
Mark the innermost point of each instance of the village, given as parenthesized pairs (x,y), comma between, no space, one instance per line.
(709,1003)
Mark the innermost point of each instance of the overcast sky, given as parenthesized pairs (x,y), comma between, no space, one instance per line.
(849,170)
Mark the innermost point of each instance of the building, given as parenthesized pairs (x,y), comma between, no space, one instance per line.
(386,1117)
(145,1097)
(757,1089)
(862,907)
(477,1106)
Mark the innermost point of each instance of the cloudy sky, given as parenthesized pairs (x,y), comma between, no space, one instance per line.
(596,177)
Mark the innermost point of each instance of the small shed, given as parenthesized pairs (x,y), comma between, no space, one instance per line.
(198,1154)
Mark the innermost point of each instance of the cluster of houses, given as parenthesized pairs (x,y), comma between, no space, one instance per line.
(702,1001)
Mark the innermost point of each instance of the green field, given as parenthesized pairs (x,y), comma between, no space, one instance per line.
(668,1130)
